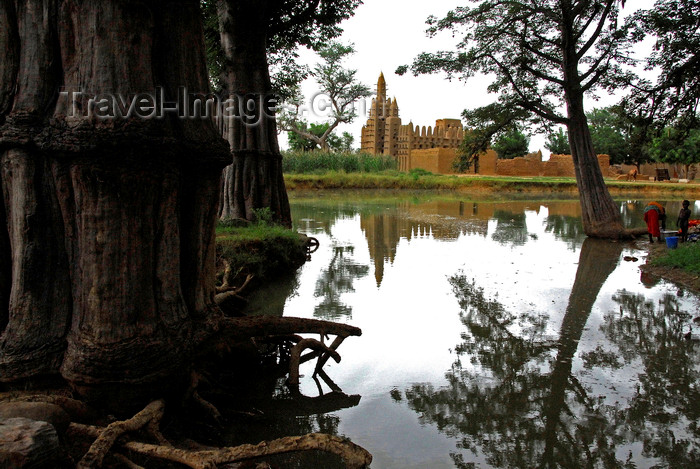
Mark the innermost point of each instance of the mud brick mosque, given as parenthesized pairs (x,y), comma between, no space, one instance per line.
(435,148)
(413,147)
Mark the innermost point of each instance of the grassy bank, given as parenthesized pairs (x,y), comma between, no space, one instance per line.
(421,180)
(686,257)
(263,250)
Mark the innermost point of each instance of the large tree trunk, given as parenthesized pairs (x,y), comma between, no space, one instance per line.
(254,180)
(599,214)
(108,222)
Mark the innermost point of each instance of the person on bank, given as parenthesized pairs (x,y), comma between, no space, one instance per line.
(683,220)
(655,213)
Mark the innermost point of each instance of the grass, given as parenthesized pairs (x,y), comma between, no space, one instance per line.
(423,180)
(262,249)
(315,162)
(685,257)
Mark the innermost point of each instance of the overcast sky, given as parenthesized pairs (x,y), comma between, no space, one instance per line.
(389,33)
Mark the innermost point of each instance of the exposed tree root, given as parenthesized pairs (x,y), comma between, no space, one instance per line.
(153,412)
(239,329)
(296,356)
(193,394)
(227,293)
(354,456)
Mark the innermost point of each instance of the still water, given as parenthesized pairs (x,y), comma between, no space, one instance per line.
(495,335)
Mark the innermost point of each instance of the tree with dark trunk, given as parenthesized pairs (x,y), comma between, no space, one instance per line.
(110,174)
(341,90)
(543,54)
(249,30)
(109,196)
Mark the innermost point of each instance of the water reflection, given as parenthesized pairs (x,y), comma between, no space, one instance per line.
(515,400)
(386,223)
(336,280)
(511,228)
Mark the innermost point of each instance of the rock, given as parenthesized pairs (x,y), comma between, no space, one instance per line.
(29,444)
(39,411)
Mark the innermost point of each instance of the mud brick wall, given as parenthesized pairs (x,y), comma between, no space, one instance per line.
(435,160)
(557,165)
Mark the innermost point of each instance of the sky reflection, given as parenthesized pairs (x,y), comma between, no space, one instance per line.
(495,335)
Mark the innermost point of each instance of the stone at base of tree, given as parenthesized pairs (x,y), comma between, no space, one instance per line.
(29,444)
(39,411)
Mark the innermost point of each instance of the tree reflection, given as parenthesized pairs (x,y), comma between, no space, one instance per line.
(337,279)
(510,228)
(565,227)
(518,403)
(665,409)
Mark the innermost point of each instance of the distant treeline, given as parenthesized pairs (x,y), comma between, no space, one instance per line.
(306,162)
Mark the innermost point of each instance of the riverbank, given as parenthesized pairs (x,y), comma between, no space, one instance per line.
(668,265)
(476,183)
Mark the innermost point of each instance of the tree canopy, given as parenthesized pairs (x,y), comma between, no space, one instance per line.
(335,142)
(674,23)
(677,147)
(511,144)
(339,89)
(544,56)
(558,142)
(290,25)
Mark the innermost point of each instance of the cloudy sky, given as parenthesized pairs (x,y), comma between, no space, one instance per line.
(389,33)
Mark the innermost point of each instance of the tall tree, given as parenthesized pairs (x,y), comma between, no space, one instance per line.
(340,89)
(485,124)
(608,134)
(511,144)
(543,54)
(249,29)
(558,142)
(677,147)
(109,201)
(299,141)
(676,55)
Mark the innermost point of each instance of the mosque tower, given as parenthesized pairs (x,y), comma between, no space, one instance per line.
(374,131)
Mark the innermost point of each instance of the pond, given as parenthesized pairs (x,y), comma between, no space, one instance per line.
(495,335)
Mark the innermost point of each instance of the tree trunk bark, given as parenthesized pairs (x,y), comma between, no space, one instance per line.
(599,214)
(254,180)
(108,219)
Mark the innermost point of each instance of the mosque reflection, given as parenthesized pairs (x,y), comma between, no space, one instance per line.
(385,225)
(515,399)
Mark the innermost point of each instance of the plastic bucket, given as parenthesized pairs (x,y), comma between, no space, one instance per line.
(672,242)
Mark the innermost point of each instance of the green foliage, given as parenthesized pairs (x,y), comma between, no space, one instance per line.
(511,144)
(686,257)
(474,143)
(483,125)
(263,249)
(340,89)
(297,142)
(677,147)
(676,94)
(299,162)
(558,143)
(525,45)
(608,135)
(263,216)
(289,25)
